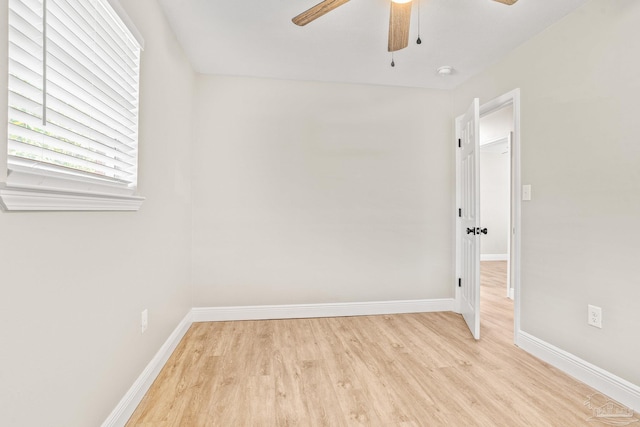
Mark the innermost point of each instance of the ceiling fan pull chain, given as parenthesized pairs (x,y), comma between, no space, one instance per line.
(393,63)
(419,41)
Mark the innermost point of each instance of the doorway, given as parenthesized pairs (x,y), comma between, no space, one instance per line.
(470,227)
(496,129)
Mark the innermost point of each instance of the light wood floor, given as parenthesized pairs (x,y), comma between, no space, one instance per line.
(399,370)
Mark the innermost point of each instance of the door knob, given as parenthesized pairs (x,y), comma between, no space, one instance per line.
(483,230)
(471,231)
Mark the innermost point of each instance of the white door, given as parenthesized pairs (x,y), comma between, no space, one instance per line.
(468,162)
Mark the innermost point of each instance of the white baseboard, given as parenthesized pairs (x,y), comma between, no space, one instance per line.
(605,382)
(300,311)
(123,411)
(494,257)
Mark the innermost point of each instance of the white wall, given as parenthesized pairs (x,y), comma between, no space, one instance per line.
(316,192)
(494,202)
(580,85)
(72,285)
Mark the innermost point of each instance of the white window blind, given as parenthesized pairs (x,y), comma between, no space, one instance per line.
(73,97)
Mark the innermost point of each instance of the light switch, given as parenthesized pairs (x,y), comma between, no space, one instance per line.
(526,192)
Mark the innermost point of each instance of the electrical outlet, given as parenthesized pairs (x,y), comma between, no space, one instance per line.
(595,316)
(144,320)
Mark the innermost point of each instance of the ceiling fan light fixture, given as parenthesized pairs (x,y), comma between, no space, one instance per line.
(445,70)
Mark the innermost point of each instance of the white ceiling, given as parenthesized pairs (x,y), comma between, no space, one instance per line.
(257,38)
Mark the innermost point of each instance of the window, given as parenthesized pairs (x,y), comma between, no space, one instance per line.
(73,107)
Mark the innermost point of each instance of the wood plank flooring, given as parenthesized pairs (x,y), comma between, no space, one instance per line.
(398,370)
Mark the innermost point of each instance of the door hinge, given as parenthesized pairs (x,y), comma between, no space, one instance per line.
(460,213)
(459,143)
(459,283)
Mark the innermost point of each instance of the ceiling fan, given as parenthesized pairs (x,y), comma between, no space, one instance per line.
(399,19)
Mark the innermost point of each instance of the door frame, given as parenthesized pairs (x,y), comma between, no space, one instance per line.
(509,98)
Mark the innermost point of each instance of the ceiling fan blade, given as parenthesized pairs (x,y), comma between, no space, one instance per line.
(317,11)
(508,2)
(399,21)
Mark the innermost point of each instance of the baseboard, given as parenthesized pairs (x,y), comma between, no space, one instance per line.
(123,411)
(494,257)
(605,382)
(300,311)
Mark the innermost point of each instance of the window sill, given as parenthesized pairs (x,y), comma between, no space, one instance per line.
(26,199)
(27,189)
